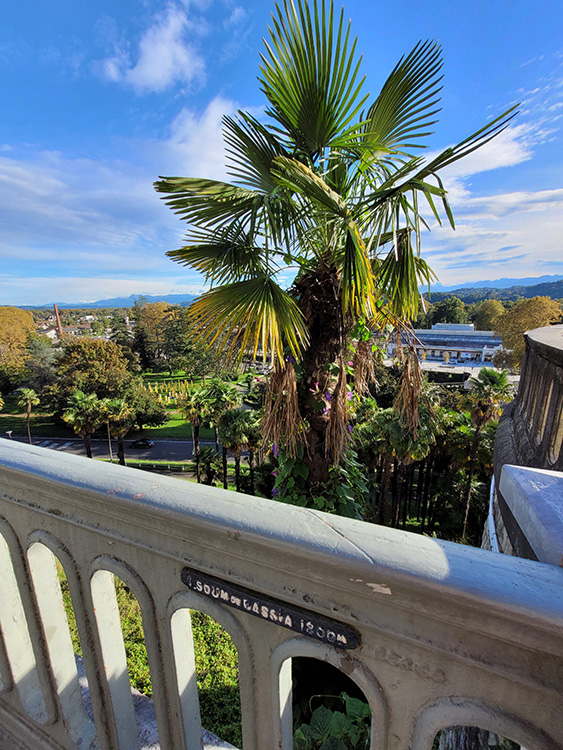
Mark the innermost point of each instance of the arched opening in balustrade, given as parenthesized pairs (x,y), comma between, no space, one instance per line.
(473,738)
(544,411)
(17,659)
(204,649)
(327,704)
(56,610)
(554,452)
(458,723)
(126,657)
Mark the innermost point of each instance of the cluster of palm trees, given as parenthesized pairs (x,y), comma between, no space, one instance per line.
(431,478)
(216,404)
(86,413)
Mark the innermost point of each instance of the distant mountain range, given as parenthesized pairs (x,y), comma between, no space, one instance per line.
(172,299)
(508,289)
(553,289)
(498,283)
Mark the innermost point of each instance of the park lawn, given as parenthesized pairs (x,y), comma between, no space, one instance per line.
(12,418)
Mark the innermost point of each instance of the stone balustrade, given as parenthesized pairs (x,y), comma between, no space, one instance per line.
(530,434)
(435,634)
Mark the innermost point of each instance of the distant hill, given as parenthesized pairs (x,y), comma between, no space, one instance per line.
(553,289)
(172,299)
(499,283)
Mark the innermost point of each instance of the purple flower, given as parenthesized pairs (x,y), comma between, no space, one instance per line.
(275,473)
(290,358)
(275,450)
(349,395)
(325,410)
(350,429)
(275,491)
(328,396)
(351,364)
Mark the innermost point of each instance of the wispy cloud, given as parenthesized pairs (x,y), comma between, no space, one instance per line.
(164,57)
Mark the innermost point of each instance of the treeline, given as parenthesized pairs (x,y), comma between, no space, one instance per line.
(471,295)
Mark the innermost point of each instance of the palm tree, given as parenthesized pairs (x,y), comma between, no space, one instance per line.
(222,397)
(329,187)
(84,412)
(120,418)
(233,431)
(194,407)
(485,400)
(27,399)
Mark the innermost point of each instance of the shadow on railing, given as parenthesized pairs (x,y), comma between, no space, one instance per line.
(433,634)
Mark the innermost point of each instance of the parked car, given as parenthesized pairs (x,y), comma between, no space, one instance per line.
(142,443)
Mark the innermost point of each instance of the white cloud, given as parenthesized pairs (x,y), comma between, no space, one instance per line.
(513,234)
(165,57)
(43,290)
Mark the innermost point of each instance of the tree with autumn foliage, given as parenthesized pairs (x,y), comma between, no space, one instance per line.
(511,326)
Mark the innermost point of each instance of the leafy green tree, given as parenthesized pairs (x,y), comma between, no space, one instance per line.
(91,366)
(525,315)
(84,413)
(149,411)
(39,371)
(487,314)
(490,391)
(331,185)
(27,399)
(449,310)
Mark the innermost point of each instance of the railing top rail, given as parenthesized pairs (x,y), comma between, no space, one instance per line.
(363,560)
(547,339)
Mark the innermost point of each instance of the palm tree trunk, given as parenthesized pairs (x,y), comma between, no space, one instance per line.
(88,444)
(237,471)
(120,451)
(195,442)
(251,470)
(225,482)
(27,420)
(216,438)
(467,494)
(383,502)
(109,443)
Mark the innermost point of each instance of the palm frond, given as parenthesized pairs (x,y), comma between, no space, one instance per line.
(248,315)
(400,274)
(224,255)
(310,75)
(403,111)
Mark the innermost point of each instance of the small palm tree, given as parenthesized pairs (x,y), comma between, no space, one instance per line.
(27,399)
(233,431)
(490,391)
(120,417)
(222,397)
(85,414)
(194,407)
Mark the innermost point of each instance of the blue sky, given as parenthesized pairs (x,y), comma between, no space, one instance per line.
(98,99)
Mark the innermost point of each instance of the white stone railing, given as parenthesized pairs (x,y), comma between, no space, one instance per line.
(448,635)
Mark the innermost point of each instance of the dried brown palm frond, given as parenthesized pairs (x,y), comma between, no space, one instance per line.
(408,396)
(337,434)
(364,369)
(282,421)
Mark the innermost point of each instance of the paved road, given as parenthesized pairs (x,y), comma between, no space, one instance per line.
(163,450)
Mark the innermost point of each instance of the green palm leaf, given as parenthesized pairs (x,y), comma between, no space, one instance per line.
(250,314)
(310,75)
(403,110)
(223,256)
